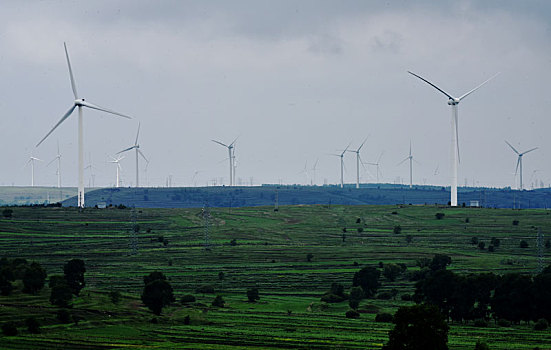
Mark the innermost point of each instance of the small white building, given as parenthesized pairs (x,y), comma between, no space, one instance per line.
(474,204)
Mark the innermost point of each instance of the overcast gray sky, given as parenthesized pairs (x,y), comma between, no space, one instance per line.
(294,80)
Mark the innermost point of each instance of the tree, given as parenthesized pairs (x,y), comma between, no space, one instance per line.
(391,271)
(397,229)
(512,298)
(439,262)
(218,301)
(437,289)
(252,295)
(7,213)
(356,295)
(481,245)
(523,244)
(60,294)
(33,326)
(34,278)
(74,274)
(474,240)
(418,327)
(157,293)
(368,279)
(9,329)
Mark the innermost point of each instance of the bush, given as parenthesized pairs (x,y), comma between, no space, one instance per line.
(354,303)
(115,296)
(252,295)
(515,222)
(9,329)
(384,317)
(332,298)
(541,325)
(474,240)
(233,242)
(480,323)
(481,245)
(32,325)
(187,320)
(7,213)
(309,257)
(188,298)
(360,229)
(397,229)
(406,297)
(495,242)
(503,322)
(63,316)
(352,314)
(384,296)
(491,249)
(523,244)
(409,238)
(439,216)
(480,345)
(218,301)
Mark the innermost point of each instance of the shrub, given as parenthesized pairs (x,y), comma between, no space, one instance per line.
(515,222)
(474,240)
(187,320)
(409,238)
(332,298)
(397,229)
(9,329)
(63,316)
(523,244)
(480,345)
(467,220)
(503,322)
(384,317)
(218,301)
(360,229)
(495,242)
(32,325)
(541,325)
(354,303)
(309,257)
(252,295)
(188,298)
(481,245)
(491,249)
(7,213)
(384,296)
(406,297)
(115,296)
(352,314)
(480,323)
(439,216)
(233,242)
(358,220)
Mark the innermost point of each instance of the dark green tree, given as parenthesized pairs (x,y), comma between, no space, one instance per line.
(418,327)
(439,262)
(157,293)
(368,279)
(74,274)
(218,301)
(513,298)
(34,278)
(253,295)
(392,271)
(60,292)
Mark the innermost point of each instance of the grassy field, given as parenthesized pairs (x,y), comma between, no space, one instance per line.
(270,253)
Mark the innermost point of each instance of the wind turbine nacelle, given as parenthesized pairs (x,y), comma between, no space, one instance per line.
(453,102)
(78,102)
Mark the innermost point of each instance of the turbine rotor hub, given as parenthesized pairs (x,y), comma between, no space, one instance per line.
(453,102)
(79,101)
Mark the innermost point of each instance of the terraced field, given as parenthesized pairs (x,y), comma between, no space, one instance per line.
(270,252)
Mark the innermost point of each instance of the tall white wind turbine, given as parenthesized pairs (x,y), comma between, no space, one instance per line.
(358,160)
(79,102)
(58,171)
(231,156)
(453,102)
(31,161)
(519,161)
(117,161)
(136,147)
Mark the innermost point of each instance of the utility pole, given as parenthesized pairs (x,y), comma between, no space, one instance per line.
(134,232)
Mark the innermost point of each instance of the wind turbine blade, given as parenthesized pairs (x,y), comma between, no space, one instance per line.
(513,148)
(53,160)
(73,85)
(65,116)
(533,149)
(518,162)
(141,154)
(403,161)
(125,150)
(231,144)
(431,84)
(359,148)
(220,143)
(457,137)
(476,88)
(103,109)
(315,164)
(137,134)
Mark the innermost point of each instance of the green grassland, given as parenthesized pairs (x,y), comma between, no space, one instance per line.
(270,253)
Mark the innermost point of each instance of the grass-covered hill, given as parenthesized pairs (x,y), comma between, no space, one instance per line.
(293,195)
(292,256)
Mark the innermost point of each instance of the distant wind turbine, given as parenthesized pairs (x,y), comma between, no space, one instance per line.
(79,102)
(305,172)
(342,164)
(453,102)
(377,164)
(519,160)
(410,157)
(119,168)
(136,147)
(58,171)
(231,156)
(358,160)
(31,161)
(313,178)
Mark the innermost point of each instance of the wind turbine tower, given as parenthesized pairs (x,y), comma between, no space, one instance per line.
(31,161)
(410,157)
(119,168)
(79,102)
(231,155)
(342,164)
(358,160)
(453,102)
(519,161)
(138,152)
(58,171)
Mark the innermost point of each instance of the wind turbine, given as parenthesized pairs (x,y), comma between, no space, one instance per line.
(410,157)
(342,164)
(305,172)
(31,161)
(231,153)
(377,164)
(58,171)
(519,161)
(79,102)
(358,160)
(119,168)
(136,147)
(453,102)
(313,178)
